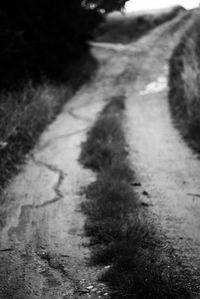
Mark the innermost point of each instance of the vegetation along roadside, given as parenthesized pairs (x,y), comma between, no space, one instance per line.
(44,59)
(184,84)
(123,239)
(24,114)
(129,28)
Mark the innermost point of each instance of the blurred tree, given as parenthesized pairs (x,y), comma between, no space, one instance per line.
(105,5)
(47,35)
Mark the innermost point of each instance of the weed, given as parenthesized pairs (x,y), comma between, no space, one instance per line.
(121,237)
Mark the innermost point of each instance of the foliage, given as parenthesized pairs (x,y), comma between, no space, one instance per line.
(24,114)
(184,78)
(126,29)
(45,36)
(105,5)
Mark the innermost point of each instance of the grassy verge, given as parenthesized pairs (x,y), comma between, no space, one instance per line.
(121,236)
(126,29)
(24,114)
(184,84)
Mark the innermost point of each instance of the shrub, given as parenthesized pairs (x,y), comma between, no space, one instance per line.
(184,84)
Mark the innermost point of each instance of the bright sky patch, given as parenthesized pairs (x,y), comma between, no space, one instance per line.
(135,5)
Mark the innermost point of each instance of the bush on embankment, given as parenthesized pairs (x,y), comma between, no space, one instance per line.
(184,84)
(25,113)
(43,60)
(125,29)
(42,39)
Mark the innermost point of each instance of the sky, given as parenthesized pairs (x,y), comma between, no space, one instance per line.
(135,5)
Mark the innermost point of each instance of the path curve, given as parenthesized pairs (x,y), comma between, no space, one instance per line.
(169,171)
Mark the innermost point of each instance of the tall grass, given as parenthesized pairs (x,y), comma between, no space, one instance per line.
(184,84)
(126,29)
(122,238)
(25,113)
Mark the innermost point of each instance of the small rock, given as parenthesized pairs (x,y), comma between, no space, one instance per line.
(89,287)
(145,204)
(136,184)
(3,144)
(145,193)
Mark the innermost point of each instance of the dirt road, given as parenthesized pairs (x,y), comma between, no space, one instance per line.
(168,170)
(43,252)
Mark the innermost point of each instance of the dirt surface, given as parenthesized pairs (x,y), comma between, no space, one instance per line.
(168,170)
(43,252)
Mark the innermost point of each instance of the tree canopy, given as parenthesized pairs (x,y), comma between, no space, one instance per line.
(47,35)
(105,5)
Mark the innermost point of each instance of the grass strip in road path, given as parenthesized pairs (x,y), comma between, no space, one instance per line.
(122,239)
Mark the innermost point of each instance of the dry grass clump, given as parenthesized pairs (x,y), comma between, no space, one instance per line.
(184,84)
(121,236)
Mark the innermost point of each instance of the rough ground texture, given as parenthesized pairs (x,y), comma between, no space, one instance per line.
(43,252)
(167,169)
